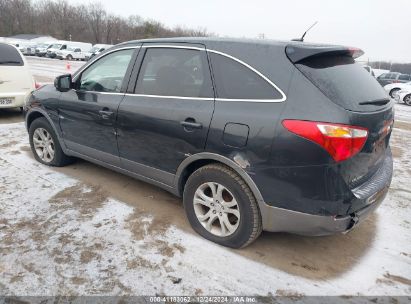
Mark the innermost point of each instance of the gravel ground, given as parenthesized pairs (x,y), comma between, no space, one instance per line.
(85,230)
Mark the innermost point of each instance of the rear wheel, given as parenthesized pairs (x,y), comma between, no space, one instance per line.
(221,207)
(69,57)
(407,99)
(45,145)
(393,92)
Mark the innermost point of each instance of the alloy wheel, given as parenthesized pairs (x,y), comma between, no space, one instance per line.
(216,209)
(43,145)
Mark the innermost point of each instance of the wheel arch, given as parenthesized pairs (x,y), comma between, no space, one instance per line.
(196,161)
(36,113)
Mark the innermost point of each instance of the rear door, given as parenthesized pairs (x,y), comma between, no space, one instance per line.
(166,114)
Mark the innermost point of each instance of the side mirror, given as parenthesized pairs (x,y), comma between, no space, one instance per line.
(63,83)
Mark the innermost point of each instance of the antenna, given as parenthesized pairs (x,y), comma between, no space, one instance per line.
(302,37)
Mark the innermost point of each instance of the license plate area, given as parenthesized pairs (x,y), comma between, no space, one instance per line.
(6,101)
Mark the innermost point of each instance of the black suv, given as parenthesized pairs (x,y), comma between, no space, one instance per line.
(254,135)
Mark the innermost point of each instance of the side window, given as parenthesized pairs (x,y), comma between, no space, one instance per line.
(106,74)
(404,77)
(234,80)
(174,72)
(9,56)
(77,50)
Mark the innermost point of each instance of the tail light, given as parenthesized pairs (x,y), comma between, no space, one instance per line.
(340,141)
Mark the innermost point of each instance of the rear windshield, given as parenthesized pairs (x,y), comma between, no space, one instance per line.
(9,56)
(344,82)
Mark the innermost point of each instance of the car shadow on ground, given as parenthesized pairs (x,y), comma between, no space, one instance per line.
(317,258)
(10,116)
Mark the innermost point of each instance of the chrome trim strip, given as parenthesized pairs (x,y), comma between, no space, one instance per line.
(109,51)
(171,97)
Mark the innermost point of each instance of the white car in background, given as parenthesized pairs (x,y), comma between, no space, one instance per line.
(71,53)
(404,96)
(16,81)
(97,49)
(393,88)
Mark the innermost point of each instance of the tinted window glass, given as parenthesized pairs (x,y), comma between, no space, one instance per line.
(174,72)
(233,80)
(342,81)
(107,74)
(404,77)
(9,55)
(382,76)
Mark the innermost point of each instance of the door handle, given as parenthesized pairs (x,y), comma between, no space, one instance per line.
(190,123)
(105,113)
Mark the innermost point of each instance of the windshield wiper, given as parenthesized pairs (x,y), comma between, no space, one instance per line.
(377,102)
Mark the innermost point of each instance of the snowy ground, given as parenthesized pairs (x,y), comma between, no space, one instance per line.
(84,230)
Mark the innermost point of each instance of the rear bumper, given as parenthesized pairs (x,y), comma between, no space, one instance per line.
(278,219)
(368,195)
(18,99)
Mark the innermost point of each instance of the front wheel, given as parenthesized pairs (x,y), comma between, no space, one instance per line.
(221,207)
(407,99)
(45,145)
(69,57)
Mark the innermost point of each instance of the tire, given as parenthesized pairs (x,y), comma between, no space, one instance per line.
(407,99)
(245,228)
(393,91)
(42,126)
(69,57)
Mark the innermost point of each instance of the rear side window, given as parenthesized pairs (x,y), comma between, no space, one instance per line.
(174,72)
(9,56)
(342,81)
(234,80)
(404,77)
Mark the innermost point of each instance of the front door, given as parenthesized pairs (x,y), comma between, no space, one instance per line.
(88,112)
(166,117)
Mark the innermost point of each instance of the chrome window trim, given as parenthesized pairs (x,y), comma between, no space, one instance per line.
(283,98)
(171,97)
(81,70)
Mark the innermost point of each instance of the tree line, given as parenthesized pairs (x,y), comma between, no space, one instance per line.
(87,23)
(404,68)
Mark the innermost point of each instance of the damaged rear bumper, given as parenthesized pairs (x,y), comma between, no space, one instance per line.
(369,195)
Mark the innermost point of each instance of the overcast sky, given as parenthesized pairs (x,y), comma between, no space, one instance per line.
(380,27)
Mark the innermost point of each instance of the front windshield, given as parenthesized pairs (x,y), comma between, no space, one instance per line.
(56,46)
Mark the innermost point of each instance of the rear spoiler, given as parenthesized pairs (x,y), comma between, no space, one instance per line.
(297,53)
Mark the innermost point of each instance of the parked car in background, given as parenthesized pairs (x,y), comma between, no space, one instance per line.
(206,119)
(404,95)
(64,45)
(393,77)
(41,49)
(97,49)
(29,50)
(16,81)
(71,53)
(393,88)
